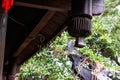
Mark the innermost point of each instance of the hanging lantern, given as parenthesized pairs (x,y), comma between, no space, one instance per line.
(80,18)
(80,25)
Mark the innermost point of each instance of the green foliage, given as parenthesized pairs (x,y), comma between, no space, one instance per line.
(105,40)
(60,43)
(102,45)
(47,65)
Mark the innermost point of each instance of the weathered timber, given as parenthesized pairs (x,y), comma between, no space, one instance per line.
(52,28)
(35,31)
(59,5)
(55,5)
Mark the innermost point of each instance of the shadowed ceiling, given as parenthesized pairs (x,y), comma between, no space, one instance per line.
(32,23)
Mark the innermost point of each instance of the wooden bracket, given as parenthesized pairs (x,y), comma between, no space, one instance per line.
(35,31)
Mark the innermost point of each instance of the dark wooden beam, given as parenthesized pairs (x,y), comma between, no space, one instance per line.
(3,25)
(55,5)
(58,5)
(53,27)
(35,31)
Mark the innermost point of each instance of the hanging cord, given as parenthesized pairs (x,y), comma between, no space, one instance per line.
(19,23)
(16,21)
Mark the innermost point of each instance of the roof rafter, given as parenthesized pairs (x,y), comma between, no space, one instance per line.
(35,31)
(55,5)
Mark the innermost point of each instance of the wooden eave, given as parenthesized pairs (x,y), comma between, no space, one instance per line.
(26,21)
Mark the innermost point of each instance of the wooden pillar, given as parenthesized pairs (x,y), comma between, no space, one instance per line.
(3,25)
(14,71)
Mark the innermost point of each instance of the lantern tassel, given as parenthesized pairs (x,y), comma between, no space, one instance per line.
(7,4)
